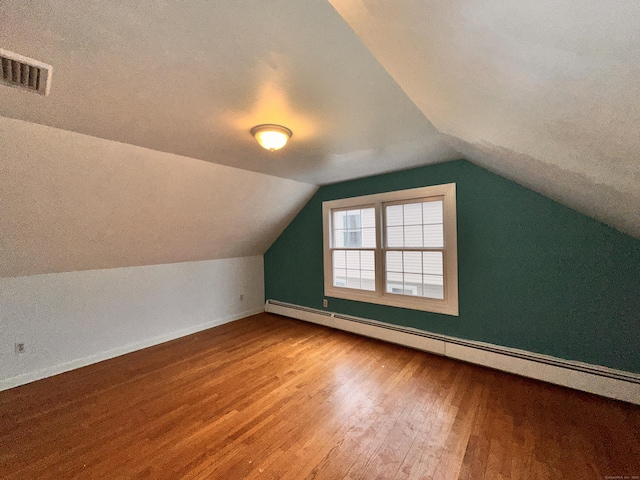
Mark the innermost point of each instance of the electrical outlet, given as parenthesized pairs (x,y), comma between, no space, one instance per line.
(325,303)
(20,348)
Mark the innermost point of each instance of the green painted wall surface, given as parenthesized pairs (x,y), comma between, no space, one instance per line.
(533,274)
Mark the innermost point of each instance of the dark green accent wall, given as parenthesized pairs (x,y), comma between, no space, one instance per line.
(533,274)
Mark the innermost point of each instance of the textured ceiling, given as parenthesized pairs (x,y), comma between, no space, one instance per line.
(74,202)
(192,78)
(543,92)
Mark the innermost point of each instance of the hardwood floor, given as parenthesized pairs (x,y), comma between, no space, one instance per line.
(267,397)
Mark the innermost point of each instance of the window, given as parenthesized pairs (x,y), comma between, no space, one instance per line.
(396,248)
(354,240)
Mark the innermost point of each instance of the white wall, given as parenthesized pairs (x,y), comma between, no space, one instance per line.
(72,319)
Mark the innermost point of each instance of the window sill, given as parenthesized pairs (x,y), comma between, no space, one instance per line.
(446,307)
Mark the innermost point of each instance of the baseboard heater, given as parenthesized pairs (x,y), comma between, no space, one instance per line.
(604,381)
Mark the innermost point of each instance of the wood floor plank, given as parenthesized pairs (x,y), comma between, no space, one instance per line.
(268,397)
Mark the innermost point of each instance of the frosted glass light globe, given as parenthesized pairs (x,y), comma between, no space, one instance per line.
(271,137)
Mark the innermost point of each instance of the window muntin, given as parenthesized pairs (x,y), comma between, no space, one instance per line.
(396,248)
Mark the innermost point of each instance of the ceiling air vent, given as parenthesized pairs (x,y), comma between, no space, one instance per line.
(23,72)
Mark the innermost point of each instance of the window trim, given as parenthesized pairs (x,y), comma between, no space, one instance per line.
(448,305)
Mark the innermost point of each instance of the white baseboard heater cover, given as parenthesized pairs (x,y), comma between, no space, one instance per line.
(607,382)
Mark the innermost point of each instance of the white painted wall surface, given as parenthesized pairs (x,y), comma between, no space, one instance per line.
(72,319)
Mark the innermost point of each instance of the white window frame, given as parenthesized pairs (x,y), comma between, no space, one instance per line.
(448,305)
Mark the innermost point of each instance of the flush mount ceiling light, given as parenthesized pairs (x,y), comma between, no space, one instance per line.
(271,137)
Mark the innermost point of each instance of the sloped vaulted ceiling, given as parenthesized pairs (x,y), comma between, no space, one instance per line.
(546,93)
(76,202)
(186,81)
(142,154)
(192,78)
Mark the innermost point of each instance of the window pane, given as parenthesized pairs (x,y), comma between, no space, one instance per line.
(368,218)
(367,261)
(433,286)
(369,238)
(432,212)
(394,215)
(353,219)
(338,219)
(394,283)
(353,238)
(368,281)
(413,214)
(354,228)
(412,284)
(354,269)
(422,224)
(393,277)
(412,262)
(415,225)
(413,236)
(433,236)
(432,263)
(395,237)
(394,261)
(353,278)
(353,259)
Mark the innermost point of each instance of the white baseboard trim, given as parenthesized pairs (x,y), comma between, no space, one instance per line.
(29,377)
(607,382)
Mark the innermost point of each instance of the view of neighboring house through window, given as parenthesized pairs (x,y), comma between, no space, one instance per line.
(414,248)
(354,238)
